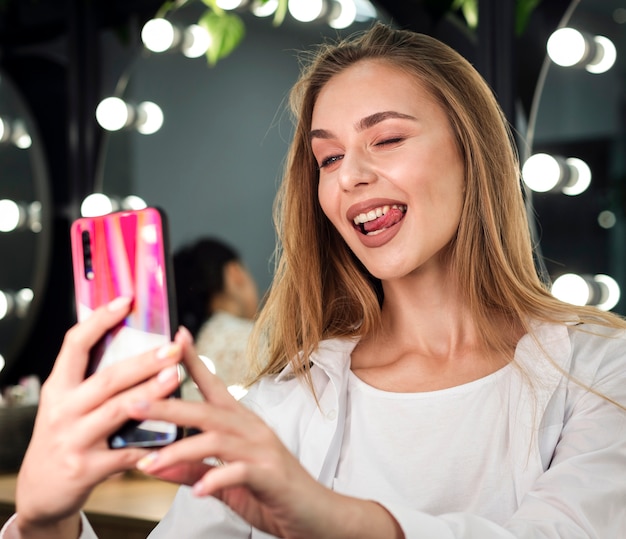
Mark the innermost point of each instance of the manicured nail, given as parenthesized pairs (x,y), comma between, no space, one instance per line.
(185,334)
(198,489)
(147,461)
(169,350)
(119,303)
(168,374)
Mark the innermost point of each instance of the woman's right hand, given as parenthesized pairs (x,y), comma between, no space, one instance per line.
(68,454)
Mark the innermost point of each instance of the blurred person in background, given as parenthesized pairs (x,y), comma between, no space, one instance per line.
(217,300)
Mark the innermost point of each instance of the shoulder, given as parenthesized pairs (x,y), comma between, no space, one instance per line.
(330,364)
(598,354)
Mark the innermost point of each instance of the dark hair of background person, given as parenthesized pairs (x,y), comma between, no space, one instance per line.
(198,277)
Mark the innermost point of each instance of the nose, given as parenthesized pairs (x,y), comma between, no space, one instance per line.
(355,171)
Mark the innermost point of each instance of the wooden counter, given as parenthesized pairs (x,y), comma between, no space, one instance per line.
(124,507)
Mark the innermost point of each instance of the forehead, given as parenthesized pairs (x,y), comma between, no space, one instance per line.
(371,85)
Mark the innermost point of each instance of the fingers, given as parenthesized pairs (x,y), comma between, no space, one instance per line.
(111,414)
(125,374)
(71,363)
(211,387)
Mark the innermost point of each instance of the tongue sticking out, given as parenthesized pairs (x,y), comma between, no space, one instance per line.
(389,219)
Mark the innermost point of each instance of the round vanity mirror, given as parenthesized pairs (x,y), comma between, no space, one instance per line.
(24,222)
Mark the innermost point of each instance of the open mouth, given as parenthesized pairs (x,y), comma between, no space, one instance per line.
(378,219)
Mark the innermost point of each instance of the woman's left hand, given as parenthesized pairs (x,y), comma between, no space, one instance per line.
(260,479)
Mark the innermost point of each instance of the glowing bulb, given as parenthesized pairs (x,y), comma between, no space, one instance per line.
(229,4)
(581,176)
(611,298)
(605,57)
(96,204)
(305,10)
(566,47)
(607,219)
(196,41)
(11,216)
(133,202)
(158,35)
(264,9)
(113,113)
(20,136)
(5,304)
(150,118)
(4,130)
(346,16)
(2,362)
(541,172)
(571,288)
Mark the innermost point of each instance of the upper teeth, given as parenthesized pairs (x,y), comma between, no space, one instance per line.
(376,213)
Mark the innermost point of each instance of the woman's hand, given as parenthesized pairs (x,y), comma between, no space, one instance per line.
(68,453)
(259,479)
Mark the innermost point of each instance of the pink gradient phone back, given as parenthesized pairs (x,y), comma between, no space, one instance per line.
(128,258)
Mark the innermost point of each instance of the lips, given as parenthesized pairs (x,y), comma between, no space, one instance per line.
(377,219)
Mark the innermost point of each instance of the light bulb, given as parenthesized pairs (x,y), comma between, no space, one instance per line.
(159,35)
(5,130)
(20,136)
(2,362)
(264,9)
(305,10)
(196,41)
(566,47)
(230,4)
(149,118)
(96,204)
(611,292)
(6,304)
(133,202)
(346,16)
(607,219)
(580,177)
(113,114)
(605,56)
(11,215)
(571,288)
(541,172)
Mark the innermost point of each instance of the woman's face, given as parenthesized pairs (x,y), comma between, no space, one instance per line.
(391,176)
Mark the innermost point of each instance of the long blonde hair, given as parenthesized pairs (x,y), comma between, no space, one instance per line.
(320,290)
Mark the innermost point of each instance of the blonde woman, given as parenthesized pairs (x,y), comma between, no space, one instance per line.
(415,379)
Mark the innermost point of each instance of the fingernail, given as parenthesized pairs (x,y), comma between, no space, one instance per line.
(147,461)
(119,303)
(185,334)
(198,488)
(169,350)
(167,374)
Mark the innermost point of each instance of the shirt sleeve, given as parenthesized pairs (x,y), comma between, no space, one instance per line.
(86,529)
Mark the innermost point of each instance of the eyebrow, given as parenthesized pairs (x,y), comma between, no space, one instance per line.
(364,123)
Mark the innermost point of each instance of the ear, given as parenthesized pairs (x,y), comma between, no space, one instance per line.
(233,275)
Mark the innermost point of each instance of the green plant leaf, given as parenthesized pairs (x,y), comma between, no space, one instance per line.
(213,5)
(226,31)
(280,13)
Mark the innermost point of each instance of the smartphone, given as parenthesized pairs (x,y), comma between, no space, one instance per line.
(126,253)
